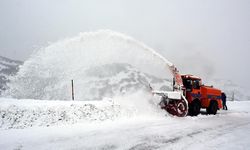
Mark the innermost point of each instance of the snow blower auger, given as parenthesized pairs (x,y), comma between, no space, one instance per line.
(174,102)
(189,96)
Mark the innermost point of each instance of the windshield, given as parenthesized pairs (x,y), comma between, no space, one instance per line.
(191,83)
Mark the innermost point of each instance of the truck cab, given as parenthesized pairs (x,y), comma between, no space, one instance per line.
(200,96)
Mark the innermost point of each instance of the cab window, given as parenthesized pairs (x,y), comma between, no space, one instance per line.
(187,84)
(196,84)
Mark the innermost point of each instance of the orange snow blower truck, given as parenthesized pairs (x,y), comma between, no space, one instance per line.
(189,95)
(200,96)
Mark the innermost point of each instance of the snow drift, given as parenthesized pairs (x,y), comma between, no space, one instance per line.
(26,113)
(48,72)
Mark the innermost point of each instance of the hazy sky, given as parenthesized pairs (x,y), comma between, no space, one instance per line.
(205,37)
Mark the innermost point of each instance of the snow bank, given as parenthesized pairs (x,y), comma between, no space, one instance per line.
(28,113)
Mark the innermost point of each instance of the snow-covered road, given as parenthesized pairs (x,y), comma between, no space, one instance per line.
(227,130)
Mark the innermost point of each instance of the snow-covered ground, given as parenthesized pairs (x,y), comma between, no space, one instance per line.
(226,130)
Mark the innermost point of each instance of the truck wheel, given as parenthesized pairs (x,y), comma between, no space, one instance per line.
(194,108)
(181,108)
(213,107)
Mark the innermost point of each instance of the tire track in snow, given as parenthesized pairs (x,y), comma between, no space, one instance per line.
(161,141)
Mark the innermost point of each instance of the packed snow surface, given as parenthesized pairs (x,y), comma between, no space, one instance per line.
(226,130)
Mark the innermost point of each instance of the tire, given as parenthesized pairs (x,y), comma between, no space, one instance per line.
(181,108)
(194,108)
(213,107)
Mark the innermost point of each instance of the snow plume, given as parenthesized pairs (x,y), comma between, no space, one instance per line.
(142,103)
(48,72)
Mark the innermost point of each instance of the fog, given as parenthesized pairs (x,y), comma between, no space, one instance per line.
(209,38)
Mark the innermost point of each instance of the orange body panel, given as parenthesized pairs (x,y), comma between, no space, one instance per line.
(208,94)
(195,94)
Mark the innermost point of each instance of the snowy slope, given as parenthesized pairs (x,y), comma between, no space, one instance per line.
(96,82)
(8,68)
(117,79)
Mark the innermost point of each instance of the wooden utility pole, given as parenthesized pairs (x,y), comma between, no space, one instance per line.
(233,96)
(72,89)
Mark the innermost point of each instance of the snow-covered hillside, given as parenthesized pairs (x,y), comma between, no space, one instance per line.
(118,79)
(97,82)
(8,68)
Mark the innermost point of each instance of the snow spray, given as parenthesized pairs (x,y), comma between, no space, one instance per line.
(48,72)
